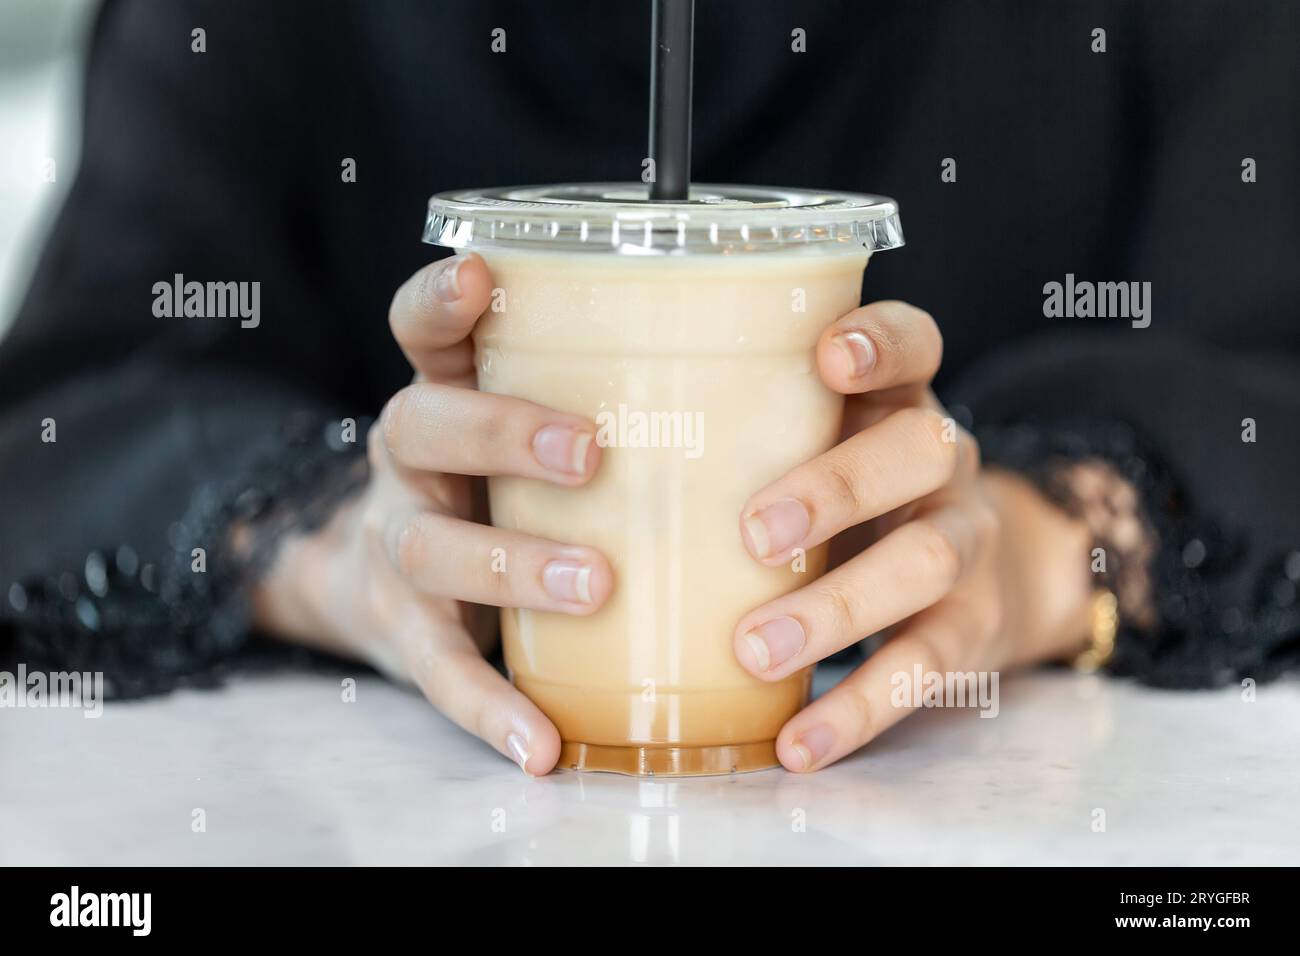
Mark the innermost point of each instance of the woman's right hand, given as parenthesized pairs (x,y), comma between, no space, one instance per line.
(400,575)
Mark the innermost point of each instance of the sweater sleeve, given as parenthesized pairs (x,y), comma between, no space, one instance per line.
(133,436)
(1199,409)
(1220,495)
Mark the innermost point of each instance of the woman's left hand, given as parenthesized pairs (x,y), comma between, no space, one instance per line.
(951,557)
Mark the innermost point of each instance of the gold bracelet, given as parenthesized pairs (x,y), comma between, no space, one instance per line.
(1105,623)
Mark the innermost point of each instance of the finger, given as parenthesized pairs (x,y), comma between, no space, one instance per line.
(445,556)
(452,674)
(908,455)
(436,427)
(865,703)
(903,573)
(879,346)
(432,313)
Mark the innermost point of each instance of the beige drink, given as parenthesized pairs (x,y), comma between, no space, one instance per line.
(699,371)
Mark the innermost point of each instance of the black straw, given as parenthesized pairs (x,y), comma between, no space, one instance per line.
(672,39)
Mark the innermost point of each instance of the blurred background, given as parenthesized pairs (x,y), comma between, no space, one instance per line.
(42,43)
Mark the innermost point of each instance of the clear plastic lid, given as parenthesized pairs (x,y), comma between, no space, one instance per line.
(620,218)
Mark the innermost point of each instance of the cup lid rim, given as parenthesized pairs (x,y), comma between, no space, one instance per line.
(716,217)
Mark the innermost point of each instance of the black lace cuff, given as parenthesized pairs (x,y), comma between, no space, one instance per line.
(1204,634)
(152,626)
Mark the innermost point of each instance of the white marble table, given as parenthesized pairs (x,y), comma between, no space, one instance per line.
(285,772)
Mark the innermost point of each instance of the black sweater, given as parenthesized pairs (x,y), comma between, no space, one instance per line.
(226,165)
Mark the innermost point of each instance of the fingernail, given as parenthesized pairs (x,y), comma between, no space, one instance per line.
(580,446)
(562,449)
(813,745)
(779,526)
(446,285)
(859,353)
(567,581)
(774,643)
(519,750)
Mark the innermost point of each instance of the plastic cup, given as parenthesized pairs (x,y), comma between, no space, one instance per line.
(686,332)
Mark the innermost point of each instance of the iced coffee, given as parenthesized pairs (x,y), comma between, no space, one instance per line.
(686,332)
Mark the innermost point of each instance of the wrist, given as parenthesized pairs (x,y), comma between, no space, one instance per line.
(296,599)
(1047,583)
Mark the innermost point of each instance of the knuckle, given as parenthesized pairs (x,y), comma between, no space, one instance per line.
(968,453)
(411,543)
(859,711)
(890,345)
(376,447)
(946,460)
(988,526)
(938,554)
(928,339)
(415,309)
(927,422)
(842,474)
(395,312)
(374,521)
(394,420)
(897,322)
(442,493)
(492,429)
(499,585)
(424,300)
(433,670)
(411,301)
(892,312)
(844,606)
(939,437)
(928,652)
